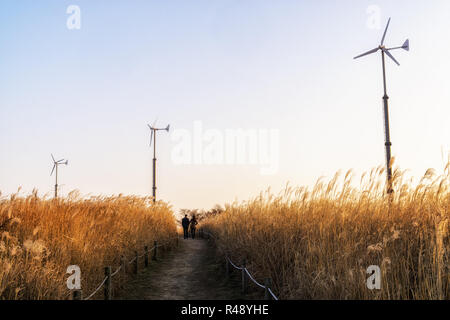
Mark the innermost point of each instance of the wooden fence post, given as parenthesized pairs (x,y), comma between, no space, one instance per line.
(135,269)
(155,244)
(108,283)
(244,277)
(267,284)
(77,295)
(146,256)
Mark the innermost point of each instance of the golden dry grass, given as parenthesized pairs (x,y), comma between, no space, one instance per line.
(40,238)
(317,244)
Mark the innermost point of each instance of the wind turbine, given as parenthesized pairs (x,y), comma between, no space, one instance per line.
(55,166)
(153,130)
(388,144)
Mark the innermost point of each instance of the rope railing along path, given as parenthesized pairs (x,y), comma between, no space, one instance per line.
(245,273)
(116,272)
(272,294)
(132,260)
(231,262)
(253,279)
(106,282)
(96,290)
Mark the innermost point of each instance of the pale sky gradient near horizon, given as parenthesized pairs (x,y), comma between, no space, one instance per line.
(87,95)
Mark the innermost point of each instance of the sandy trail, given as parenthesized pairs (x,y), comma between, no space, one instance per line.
(189,272)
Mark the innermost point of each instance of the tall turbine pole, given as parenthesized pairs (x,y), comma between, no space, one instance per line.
(387,143)
(153,131)
(154,166)
(55,167)
(56,181)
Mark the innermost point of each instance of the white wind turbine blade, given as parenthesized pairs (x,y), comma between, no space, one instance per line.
(152,127)
(391,56)
(151,137)
(53,157)
(168,128)
(54,166)
(385,31)
(151,134)
(367,53)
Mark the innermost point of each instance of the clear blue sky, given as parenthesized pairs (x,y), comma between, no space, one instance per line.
(87,94)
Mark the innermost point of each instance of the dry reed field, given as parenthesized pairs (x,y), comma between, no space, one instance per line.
(318,243)
(40,238)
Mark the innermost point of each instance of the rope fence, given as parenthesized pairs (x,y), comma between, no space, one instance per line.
(96,290)
(268,293)
(231,262)
(117,271)
(106,282)
(253,279)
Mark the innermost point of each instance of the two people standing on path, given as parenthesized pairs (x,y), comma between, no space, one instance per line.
(189,224)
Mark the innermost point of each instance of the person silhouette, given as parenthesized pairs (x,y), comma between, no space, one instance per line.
(185,223)
(193,225)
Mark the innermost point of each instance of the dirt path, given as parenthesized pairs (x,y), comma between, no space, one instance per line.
(189,272)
